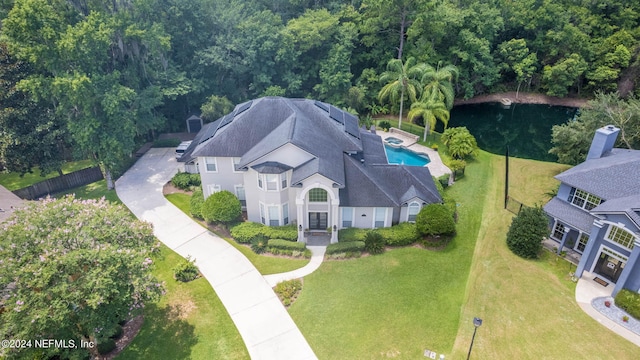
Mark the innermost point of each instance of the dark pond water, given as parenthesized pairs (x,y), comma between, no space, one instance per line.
(526,128)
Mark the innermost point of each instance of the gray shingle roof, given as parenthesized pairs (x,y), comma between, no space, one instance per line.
(569,214)
(206,129)
(613,176)
(386,185)
(271,167)
(629,205)
(271,122)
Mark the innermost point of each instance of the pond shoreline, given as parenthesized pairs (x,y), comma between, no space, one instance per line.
(524,98)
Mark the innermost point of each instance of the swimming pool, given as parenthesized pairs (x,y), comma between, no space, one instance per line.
(393,140)
(404,156)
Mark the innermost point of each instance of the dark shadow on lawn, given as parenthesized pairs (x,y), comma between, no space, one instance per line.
(164,335)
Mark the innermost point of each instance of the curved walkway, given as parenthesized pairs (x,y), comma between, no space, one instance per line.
(317,255)
(264,324)
(586,291)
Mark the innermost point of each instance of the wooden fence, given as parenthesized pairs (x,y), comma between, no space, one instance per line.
(60,183)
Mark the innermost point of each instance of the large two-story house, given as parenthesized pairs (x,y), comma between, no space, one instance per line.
(597,212)
(307,162)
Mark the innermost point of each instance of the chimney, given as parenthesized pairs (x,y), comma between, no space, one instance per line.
(603,141)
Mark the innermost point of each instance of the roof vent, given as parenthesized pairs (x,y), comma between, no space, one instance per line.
(362,161)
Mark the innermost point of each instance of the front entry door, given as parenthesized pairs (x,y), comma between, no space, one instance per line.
(318,221)
(609,267)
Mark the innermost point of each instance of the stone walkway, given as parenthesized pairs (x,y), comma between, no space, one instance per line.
(263,323)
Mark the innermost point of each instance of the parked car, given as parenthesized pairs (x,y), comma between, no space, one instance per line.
(182,148)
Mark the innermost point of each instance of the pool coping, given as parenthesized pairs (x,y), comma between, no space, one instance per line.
(435,166)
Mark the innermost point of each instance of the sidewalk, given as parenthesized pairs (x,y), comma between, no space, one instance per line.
(586,291)
(317,255)
(264,324)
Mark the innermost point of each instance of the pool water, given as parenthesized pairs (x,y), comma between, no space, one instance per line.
(404,156)
(393,140)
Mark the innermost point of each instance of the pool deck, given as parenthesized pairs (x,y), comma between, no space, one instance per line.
(436,167)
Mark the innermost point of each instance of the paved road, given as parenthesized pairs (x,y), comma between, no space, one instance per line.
(264,324)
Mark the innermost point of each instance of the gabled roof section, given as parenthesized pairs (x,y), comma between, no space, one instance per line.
(386,185)
(569,214)
(629,206)
(269,123)
(271,167)
(612,176)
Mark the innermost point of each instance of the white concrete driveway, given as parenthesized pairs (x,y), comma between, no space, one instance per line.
(264,324)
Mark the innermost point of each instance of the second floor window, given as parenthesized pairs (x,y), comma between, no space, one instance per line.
(583,199)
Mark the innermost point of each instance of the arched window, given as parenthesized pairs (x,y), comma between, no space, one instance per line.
(412,211)
(317,195)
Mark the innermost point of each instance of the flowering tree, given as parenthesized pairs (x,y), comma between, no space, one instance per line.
(72,270)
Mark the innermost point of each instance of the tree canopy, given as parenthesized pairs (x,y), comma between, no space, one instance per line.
(73,269)
(114,73)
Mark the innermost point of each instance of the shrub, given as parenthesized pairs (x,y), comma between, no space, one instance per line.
(185,181)
(287,232)
(345,247)
(629,301)
(259,244)
(288,291)
(444,180)
(222,207)
(246,231)
(374,243)
(166,143)
(399,235)
(117,332)
(286,245)
(435,219)
(525,234)
(186,270)
(196,202)
(385,125)
(351,234)
(106,346)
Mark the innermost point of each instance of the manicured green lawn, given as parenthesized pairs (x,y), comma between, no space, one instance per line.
(397,304)
(181,201)
(264,263)
(94,190)
(528,307)
(13,181)
(189,322)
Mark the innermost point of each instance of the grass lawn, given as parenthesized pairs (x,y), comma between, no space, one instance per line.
(13,181)
(95,190)
(189,322)
(397,304)
(528,307)
(264,263)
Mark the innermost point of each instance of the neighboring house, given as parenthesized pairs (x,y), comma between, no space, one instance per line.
(306,162)
(597,212)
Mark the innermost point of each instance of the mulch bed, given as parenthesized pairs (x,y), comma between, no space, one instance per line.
(129,332)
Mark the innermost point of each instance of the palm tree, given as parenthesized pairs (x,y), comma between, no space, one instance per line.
(438,83)
(400,79)
(431,110)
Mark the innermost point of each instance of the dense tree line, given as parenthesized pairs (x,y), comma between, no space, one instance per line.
(115,71)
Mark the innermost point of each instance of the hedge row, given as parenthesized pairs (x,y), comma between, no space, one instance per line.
(343,247)
(245,232)
(629,301)
(286,245)
(397,235)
